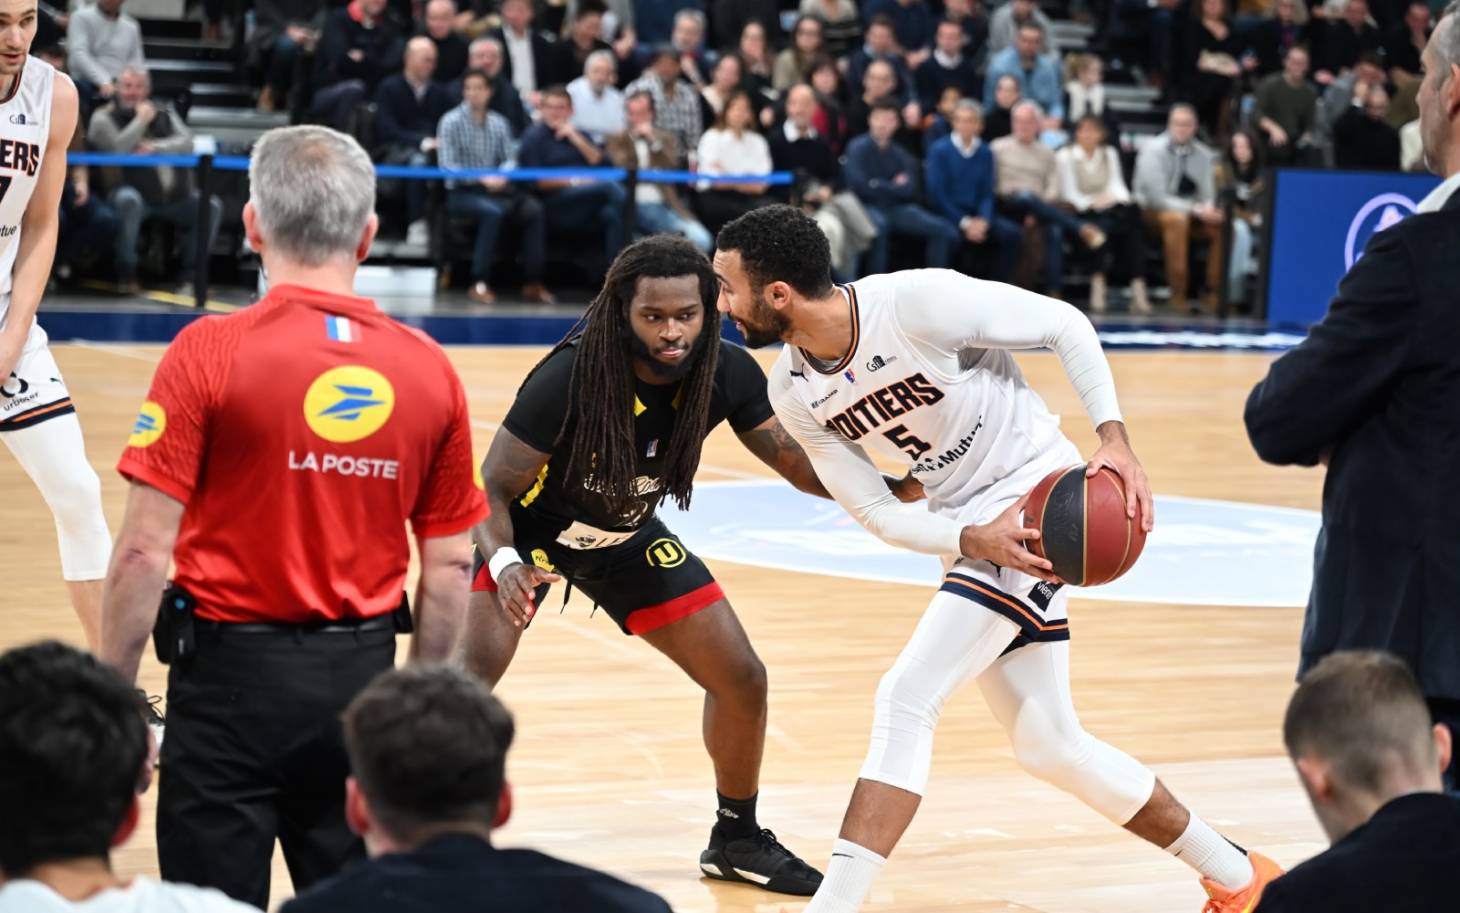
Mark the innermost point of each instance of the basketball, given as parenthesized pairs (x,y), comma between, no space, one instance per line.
(1083,527)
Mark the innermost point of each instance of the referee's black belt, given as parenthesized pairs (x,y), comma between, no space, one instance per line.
(385,622)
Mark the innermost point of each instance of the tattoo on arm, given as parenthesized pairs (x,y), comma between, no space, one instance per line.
(774,446)
(510,468)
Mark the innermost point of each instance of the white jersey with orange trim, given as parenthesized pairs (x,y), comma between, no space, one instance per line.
(25,127)
(930,383)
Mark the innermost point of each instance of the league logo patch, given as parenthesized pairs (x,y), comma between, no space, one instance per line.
(850,375)
(348,403)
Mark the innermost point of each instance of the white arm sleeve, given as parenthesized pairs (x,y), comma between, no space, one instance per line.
(856,484)
(947,311)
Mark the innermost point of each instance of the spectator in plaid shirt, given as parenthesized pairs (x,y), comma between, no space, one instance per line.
(676,104)
(474,137)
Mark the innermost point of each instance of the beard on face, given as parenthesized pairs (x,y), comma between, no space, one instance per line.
(764,324)
(660,369)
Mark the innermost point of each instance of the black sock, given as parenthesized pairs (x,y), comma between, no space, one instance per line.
(735,818)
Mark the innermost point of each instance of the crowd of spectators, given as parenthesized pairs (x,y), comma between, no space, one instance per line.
(1003,159)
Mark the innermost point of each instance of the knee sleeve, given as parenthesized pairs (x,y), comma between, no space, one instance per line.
(54,456)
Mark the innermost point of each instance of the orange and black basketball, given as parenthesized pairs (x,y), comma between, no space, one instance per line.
(1083,528)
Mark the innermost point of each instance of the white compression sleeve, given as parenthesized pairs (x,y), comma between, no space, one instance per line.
(53,454)
(947,312)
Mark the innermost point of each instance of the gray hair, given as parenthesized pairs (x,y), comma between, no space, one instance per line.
(1027,103)
(485,40)
(1447,47)
(313,191)
(147,77)
(603,54)
(696,15)
(968,104)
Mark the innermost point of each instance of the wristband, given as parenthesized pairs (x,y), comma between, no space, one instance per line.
(500,559)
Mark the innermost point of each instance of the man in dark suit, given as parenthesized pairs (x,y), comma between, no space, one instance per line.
(428,752)
(1372,394)
(1369,758)
(530,58)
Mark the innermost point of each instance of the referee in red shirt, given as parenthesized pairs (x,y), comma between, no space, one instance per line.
(277,458)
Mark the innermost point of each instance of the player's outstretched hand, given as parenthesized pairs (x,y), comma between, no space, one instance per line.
(1002,542)
(1115,452)
(515,591)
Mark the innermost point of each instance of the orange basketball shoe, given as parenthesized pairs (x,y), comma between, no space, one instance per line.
(1243,900)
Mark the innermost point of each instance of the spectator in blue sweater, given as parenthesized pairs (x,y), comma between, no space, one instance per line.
(948,66)
(911,22)
(960,185)
(885,177)
(1038,75)
(408,106)
(575,204)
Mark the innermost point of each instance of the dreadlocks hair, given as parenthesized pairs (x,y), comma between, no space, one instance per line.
(601,397)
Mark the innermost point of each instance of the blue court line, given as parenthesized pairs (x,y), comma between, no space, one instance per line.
(240,163)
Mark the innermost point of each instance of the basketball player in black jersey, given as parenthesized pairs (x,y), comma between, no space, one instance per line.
(611,421)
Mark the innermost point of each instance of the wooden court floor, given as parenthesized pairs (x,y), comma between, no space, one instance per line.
(609,768)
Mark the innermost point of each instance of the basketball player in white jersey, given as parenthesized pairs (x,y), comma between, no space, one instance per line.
(37,420)
(915,367)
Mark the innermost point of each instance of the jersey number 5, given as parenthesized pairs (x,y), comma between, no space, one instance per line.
(911,444)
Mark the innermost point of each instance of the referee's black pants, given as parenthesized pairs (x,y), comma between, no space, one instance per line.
(254,751)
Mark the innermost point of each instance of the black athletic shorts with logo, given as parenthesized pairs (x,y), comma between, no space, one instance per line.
(643,583)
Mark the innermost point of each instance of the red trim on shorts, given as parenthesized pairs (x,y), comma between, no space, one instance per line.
(654,617)
(483,582)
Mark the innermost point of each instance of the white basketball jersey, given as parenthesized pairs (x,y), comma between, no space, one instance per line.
(25,125)
(963,420)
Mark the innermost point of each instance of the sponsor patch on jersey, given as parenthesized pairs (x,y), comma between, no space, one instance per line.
(150,424)
(348,403)
(878,362)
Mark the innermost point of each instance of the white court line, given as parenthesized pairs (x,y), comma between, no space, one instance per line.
(122,351)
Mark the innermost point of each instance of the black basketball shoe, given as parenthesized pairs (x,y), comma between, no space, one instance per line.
(759,860)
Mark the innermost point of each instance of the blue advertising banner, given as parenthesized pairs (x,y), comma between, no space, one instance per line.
(1321,221)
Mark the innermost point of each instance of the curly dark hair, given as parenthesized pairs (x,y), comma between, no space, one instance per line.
(601,398)
(781,244)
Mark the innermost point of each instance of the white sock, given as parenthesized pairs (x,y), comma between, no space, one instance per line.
(849,877)
(1212,855)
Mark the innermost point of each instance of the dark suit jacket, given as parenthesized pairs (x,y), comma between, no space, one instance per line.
(544,58)
(1403,861)
(463,874)
(663,156)
(403,120)
(380,46)
(1377,385)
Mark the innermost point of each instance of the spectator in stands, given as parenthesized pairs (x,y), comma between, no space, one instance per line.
(1176,190)
(572,203)
(841,25)
(428,755)
(1347,91)
(1007,93)
(283,30)
(584,37)
(451,50)
(1363,139)
(1240,183)
(912,23)
(948,65)
(1288,28)
(357,49)
(1369,757)
(1027,190)
(618,25)
(659,207)
(1007,20)
(474,137)
(732,146)
(974,20)
(1092,184)
(725,80)
(793,65)
(1285,109)
(676,105)
(598,106)
(888,180)
(131,123)
(1411,147)
(798,148)
(1342,41)
(688,43)
(879,83)
(408,106)
(730,17)
(1038,75)
(1214,60)
(74,753)
(1085,94)
(941,123)
(825,80)
(485,54)
(880,44)
(530,57)
(960,186)
(1406,42)
(755,54)
(656,20)
(101,42)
